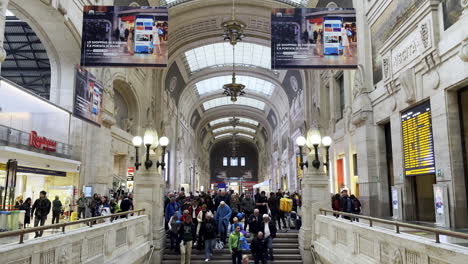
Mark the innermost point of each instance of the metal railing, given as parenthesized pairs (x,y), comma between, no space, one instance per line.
(437,232)
(88,221)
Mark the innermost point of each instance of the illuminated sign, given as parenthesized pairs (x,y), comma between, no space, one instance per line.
(418,145)
(41,142)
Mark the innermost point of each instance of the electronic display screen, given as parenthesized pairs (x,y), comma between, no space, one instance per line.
(418,145)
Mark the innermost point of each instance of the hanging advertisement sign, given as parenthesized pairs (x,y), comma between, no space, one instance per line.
(125,36)
(313,38)
(88,96)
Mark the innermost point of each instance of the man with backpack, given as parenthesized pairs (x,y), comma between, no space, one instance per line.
(346,203)
(356,206)
(286,205)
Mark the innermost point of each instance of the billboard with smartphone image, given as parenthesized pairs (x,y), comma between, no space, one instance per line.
(125,36)
(88,96)
(313,38)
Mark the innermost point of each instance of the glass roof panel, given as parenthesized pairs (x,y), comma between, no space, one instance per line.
(297,3)
(220,54)
(221,129)
(240,101)
(227,120)
(223,135)
(245,135)
(238,128)
(246,129)
(253,84)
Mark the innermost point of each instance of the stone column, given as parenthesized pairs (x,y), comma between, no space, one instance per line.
(149,192)
(315,195)
(3,9)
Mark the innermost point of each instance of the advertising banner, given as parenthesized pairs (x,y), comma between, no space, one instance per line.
(125,36)
(313,38)
(88,96)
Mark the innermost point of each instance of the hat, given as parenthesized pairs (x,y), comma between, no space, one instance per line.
(265,216)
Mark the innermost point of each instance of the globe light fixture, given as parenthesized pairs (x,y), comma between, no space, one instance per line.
(137,143)
(163,142)
(301,141)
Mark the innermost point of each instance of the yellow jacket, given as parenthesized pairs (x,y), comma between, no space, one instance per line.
(286,205)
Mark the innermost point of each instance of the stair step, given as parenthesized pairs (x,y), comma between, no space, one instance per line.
(223,261)
(196,252)
(228,257)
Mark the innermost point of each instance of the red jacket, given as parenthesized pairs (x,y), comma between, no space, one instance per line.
(197,210)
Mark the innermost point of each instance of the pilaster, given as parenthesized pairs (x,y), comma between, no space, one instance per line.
(315,195)
(3,9)
(149,192)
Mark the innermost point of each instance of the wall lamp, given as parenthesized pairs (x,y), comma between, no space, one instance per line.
(150,139)
(313,141)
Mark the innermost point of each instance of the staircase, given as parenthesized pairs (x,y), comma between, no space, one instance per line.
(285,249)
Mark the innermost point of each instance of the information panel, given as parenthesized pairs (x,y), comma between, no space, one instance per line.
(418,145)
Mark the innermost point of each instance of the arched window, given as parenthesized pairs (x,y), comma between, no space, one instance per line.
(121,113)
(26,63)
(332,5)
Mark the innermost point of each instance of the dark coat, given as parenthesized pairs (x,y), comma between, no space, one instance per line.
(209,229)
(272,227)
(254,226)
(187,232)
(27,216)
(41,208)
(259,247)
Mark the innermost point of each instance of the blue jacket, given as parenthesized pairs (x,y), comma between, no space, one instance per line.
(222,217)
(170,210)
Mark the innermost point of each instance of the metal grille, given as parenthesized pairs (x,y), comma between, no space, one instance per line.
(27,63)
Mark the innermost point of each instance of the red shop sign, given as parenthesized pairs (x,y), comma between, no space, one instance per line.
(42,142)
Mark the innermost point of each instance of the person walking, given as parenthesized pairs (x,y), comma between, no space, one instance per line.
(356,206)
(259,249)
(286,205)
(26,206)
(269,230)
(208,232)
(156,41)
(235,206)
(274,209)
(56,210)
(81,202)
(262,203)
(222,218)
(247,207)
(345,41)
(234,246)
(171,208)
(174,226)
(254,222)
(40,210)
(186,237)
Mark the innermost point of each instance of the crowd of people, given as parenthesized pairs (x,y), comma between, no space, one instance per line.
(346,203)
(86,207)
(214,219)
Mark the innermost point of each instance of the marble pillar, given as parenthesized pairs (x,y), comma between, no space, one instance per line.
(315,195)
(148,194)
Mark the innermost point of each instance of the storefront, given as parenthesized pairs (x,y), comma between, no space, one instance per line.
(35,134)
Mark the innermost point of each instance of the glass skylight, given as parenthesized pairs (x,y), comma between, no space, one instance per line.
(240,101)
(240,128)
(245,135)
(227,120)
(220,54)
(246,129)
(221,129)
(223,135)
(253,84)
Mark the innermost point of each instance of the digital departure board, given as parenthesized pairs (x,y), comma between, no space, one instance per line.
(418,146)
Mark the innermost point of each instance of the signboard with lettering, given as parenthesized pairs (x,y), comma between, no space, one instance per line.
(42,142)
(418,145)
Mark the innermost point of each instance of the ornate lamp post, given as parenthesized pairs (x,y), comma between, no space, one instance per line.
(313,141)
(150,139)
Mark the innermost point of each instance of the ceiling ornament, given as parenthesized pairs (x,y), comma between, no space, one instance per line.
(234,32)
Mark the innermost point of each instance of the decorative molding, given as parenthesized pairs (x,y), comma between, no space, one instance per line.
(424,33)
(463,52)
(397,258)
(47,256)
(412,257)
(366,246)
(408,83)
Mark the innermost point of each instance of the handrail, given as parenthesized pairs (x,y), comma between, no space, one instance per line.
(397,225)
(88,221)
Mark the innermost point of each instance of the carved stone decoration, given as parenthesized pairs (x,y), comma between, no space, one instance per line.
(397,258)
(464,4)
(128,124)
(386,67)
(64,255)
(424,32)
(408,85)
(358,81)
(463,52)
(389,87)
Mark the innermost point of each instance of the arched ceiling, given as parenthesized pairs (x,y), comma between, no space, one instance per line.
(204,61)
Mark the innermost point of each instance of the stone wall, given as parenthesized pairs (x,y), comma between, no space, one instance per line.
(337,239)
(123,241)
